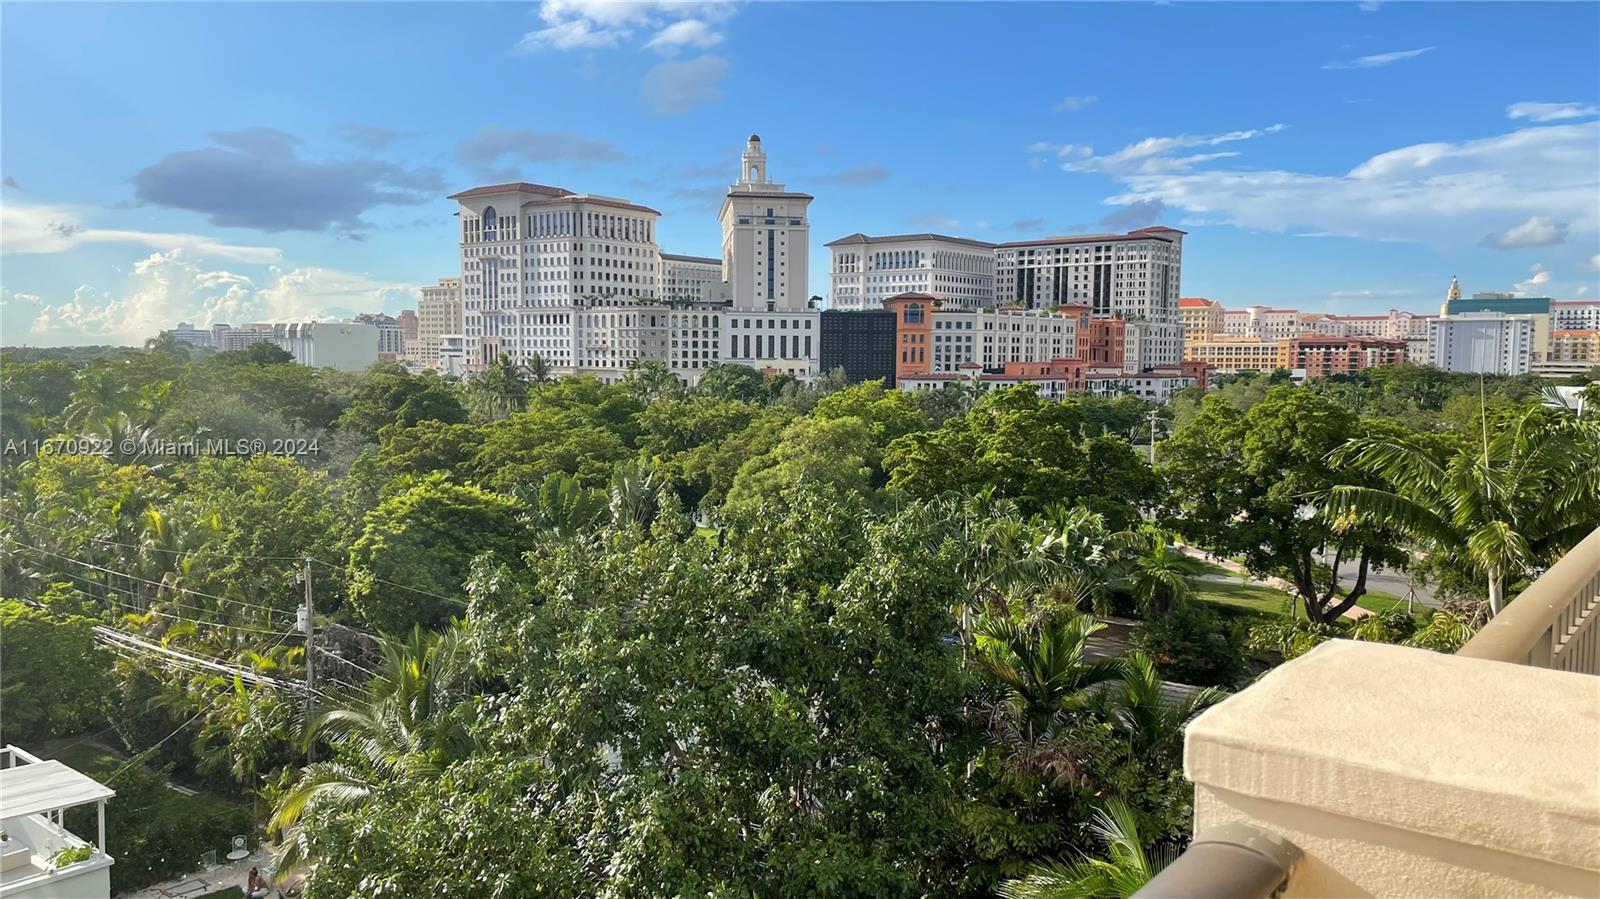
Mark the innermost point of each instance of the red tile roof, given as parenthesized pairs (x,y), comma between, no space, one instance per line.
(1194,303)
(522,186)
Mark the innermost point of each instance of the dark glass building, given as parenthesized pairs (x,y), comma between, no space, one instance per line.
(861,343)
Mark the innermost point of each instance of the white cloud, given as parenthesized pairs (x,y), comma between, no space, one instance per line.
(1537,231)
(673,87)
(28,229)
(1593,265)
(1075,103)
(1378,60)
(1151,155)
(167,287)
(1370,5)
(1540,277)
(687,33)
(1550,112)
(599,24)
(1453,191)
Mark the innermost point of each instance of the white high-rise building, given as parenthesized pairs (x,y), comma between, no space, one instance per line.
(1490,343)
(540,267)
(438,314)
(696,279)
(1133,276)
(771,325)
(864,270)
(1570,315)
(765,235)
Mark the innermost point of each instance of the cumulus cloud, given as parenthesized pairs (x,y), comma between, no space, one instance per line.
(859,176)
(167,287)
(29,229)
(1537,231)
(1141,214)
(1540,276)
(686,33)
(1592,264)
(1379,60)
(255,178)
(1550,112)
(600,24)
(674,87)
(1075,103)
(1151,155)
(1435,191)
(493,145)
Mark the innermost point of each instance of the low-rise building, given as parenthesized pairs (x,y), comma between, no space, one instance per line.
(391,338)
(1320,356)
(346,346)
(1231,354)
(187,334)
(36,847)
(773,342)
(1059,377)
(862,343)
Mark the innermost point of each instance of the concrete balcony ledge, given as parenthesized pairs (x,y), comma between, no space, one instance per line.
(1402,772)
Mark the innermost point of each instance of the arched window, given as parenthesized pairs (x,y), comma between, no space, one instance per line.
(755,173)
(488,223)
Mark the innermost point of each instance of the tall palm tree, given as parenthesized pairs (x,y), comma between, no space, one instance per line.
(1161,577)
(499,390)
(410,723)
(101,393)
(1127,867)
(1501,508)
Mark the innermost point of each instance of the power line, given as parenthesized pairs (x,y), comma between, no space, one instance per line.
(178,552)
(418,590)
(112,596)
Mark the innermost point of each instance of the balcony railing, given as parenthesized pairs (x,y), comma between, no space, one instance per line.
(1361,769)
(1552,623)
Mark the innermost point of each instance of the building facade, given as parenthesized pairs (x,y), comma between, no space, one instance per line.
(861,343)
(1482,342)
(765,235)
(439,312)
(864,271)
(391,339)
(1230,354)
(1262,323)
(1321,356)
(691,279)
(1134,277)
(1575,315)
(187,334)
(1201,318)
(345,346)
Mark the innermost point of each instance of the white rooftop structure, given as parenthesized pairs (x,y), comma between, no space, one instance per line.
(33,794)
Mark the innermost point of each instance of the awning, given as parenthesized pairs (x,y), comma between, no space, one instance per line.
(46,786)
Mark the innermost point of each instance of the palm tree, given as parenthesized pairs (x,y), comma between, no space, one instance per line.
(538,370)
(240,731)
(1127,867)
(1151,714)
(652,379)
(1160,576)
(562,507)
(1040,671)
(167,342)
(409,724)
(102,393)
(1527,494)
(499,390)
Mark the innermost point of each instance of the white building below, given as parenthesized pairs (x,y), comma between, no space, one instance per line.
(865,271)
(1481,342)
(33,794)
(346,346)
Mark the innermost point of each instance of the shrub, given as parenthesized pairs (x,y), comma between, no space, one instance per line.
(1194,645)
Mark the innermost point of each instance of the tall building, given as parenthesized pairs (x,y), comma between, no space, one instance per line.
(765,234)
(540,268)
(1201,318)
(407,319)
(771,325)
(439,312)
(864,271)
(1134,276)
(1482,342)
(1396,325)
(695,279)
(862,342)
(1537,311)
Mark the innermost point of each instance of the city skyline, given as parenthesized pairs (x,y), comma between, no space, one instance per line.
(1371,163)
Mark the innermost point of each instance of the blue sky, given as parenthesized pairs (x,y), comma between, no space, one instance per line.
(240,162)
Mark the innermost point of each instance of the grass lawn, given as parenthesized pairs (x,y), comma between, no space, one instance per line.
(1249,597)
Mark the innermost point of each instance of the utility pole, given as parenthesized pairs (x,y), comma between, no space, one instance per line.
(309,626)
(1153,414)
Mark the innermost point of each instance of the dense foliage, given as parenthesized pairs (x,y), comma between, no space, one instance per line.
(755,637)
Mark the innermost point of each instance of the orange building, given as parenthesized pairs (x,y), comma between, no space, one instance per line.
(1104,342)
(1322,356)
(913,325)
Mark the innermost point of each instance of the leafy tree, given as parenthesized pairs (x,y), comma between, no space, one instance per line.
(259,353)
(1502,508)
(1245,484)
(839,454)
(415,550)
(524,448)
(57,678)
(498,390)
(1193,645)
(390,397)
(652,379)
(727,381)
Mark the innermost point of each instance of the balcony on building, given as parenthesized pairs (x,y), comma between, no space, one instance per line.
(39,857)
(1370,770)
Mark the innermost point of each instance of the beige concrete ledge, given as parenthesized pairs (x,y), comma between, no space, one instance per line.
(1402,772)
